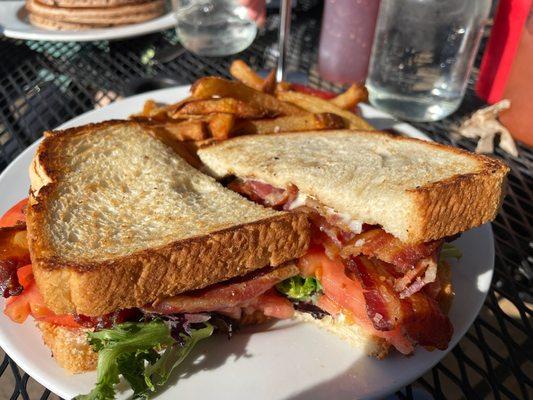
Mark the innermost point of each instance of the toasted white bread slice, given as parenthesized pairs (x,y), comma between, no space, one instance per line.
(416,190)
(117,219)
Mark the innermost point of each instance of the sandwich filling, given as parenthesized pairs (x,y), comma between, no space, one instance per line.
(363,275)
(142,344)
(236,298)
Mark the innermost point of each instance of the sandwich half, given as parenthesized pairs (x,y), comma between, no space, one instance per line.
(126,247)
(382,208)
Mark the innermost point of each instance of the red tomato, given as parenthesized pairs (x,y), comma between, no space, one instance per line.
(30,301)
(342,290)
(14,214)
(25,275)
(19,307)
(311,263)
(314,92)
(326,304)
(273,305)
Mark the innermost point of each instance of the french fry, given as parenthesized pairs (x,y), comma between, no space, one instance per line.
(209,87)
(317,105)
(148,107)
(226,105)
(269,83)
(154,112)
(220,125)
(291,123)
(349,99)
(283,86)
(243,73)
(178,130)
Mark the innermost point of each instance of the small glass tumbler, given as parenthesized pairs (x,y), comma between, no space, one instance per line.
(214,27)
(422,55)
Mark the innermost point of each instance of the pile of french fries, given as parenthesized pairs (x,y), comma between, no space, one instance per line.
(219,108)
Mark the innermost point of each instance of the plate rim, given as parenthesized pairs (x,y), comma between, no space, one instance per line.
(165,21)
(21,359)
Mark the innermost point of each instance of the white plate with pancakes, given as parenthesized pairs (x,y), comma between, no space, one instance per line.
(83,20)
(285,360)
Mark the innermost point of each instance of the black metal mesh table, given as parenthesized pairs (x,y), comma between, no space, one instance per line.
(44,84)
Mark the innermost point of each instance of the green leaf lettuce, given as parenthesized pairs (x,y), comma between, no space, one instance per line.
(131,349)
(300,288)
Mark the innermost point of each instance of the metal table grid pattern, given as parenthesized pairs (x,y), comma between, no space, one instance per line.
(43,84)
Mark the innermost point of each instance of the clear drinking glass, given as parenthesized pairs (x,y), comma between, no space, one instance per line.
(214,27)
(422,55)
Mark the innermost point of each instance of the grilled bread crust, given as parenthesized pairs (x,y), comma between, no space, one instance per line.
(87,260)
(416,190)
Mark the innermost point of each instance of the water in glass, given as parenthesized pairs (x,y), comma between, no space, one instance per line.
(214,27)
(422,55)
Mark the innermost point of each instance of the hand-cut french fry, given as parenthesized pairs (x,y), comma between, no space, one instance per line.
(220,125)
(178,130)
(283,86)
(291,123)
(226,105)
(209,87)
(242,72)
(349,99)
(154,112)
(269,83)
(317,105)
(148,107)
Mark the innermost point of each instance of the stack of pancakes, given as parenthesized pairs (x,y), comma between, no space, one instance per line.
(88,14)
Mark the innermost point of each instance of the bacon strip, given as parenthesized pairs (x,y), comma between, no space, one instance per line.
(263,193)
(383,306)
(419,314)
(382,245)
(223,297)
(14,254)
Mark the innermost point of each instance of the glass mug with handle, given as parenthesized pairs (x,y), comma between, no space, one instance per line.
(422,55)
(215,27)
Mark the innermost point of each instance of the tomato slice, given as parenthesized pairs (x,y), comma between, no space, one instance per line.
(30,301)
(25,275)
(19,307)
(312,91)
(311,263)
(14,215)
(273,305)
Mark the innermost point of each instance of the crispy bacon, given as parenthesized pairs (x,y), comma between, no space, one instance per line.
(419,314)
(390,288)
(383,306)
(14,254)
(382,245)
(109,320)
(224,297)
(425,323)
(424,272)
(263,193)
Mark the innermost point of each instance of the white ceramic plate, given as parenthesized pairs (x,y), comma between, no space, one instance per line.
(14,24)
(287,361)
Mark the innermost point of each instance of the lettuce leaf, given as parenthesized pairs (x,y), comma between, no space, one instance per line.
(131,349)
(449,251)
(300,288)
